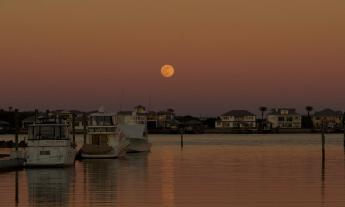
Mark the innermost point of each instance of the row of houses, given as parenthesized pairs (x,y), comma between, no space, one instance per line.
(284,118)
(277,118)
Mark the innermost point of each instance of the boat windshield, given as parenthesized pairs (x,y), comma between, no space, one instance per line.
(102,120)
(47,132)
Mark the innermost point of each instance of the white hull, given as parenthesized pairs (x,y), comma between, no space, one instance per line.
(103,156)
(118,152)
(139,146)
(57,156)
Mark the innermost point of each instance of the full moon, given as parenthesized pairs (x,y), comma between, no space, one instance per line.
(167,71)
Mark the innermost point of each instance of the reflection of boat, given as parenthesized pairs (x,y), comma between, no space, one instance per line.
(137,136)
(49,145)
(103,140)
(50,186)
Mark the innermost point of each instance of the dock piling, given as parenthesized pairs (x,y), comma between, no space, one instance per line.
(17,186)
(344,130)
(323,140)
(16,128)
(181,132)
(84,125)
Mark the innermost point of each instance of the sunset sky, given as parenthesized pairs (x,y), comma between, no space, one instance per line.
(228,54)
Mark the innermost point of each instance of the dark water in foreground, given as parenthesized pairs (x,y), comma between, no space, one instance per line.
(211,170)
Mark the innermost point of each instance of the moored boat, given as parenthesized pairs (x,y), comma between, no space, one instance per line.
(104,140)
(137,136)
(49,145)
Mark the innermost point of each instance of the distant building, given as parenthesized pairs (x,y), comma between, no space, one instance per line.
(285,118)
(237,119)
(332,119)
(166,119)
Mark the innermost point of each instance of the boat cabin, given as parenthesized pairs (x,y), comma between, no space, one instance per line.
(48,132)
(101,125)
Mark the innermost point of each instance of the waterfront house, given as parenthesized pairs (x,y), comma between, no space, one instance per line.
(332,119)
(237,119)
(166,119)
(285,118)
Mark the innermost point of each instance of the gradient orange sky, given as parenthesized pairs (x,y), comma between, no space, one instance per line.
(227,54)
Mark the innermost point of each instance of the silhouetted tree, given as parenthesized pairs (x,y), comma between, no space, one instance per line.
(309,109)
(263,109)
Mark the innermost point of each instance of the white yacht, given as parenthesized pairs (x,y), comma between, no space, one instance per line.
(137,136)
(49,145)
(104,140)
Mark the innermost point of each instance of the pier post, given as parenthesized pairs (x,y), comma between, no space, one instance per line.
(323,142)
(323,159)
(17,186)
(84,124)
(16,128)
(181,133)
(73,128)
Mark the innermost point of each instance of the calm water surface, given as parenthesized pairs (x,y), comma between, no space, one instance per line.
(211,170)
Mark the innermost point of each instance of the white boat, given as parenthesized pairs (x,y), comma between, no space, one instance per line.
(49,145)
(103,140)
(137,136)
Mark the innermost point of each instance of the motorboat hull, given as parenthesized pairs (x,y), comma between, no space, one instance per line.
(119,152)
(50,156)
(137,145)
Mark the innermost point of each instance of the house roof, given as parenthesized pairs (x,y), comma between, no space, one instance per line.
(238,113)
(328,112)
(278,111)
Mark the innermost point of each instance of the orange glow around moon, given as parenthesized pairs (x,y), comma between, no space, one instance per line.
(167,71)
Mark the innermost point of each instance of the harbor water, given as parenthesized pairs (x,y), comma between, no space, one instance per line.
(210,170)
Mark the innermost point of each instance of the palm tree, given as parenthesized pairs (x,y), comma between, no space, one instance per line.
(262,109)
(309,109)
